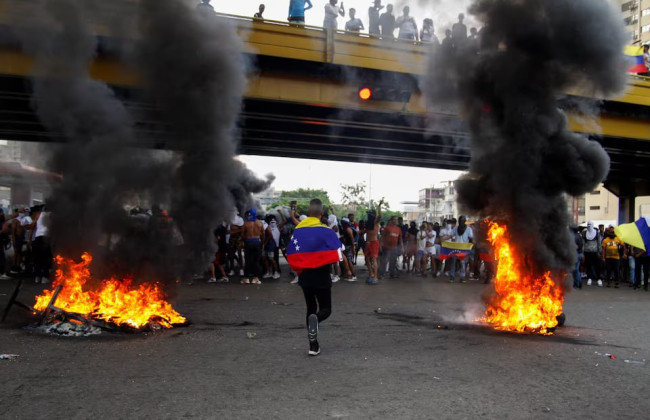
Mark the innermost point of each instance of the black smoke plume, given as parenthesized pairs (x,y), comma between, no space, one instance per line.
(524,158)
(100,172)
(194,73)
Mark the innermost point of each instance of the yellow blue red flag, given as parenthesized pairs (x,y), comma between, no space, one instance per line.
(313,245)
(635,54)
(455,249)
(636,234)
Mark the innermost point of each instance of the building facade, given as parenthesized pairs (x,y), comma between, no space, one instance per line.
(636,16)
(438,203)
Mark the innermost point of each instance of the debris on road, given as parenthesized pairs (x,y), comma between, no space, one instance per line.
(251,335)
(610,356)
(8,356)
(635,362)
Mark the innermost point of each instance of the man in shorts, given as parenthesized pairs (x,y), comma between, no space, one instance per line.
(371,252)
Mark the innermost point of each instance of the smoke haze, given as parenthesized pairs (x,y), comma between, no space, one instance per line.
(524,158)
(195,76)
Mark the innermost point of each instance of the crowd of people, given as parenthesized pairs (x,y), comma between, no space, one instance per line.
(250,248)
(380,24)
(605,260)
(26,232)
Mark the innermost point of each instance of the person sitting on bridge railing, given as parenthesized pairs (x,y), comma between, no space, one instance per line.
(331,14)
(373,18)
(354,24)
(387,23)
(260,12)
(408,29)
(297,11)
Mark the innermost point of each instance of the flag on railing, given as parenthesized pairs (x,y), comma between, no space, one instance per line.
(637,64)
(313,245)
(455,249)
(636,234)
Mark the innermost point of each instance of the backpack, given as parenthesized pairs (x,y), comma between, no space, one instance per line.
(593,245)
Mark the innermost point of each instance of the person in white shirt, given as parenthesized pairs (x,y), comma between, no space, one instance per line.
(408,29)
(271,248)
(40,243)
(431,249)
(331,14)
(420,259)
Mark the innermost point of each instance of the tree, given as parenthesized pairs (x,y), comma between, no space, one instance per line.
(354,195)
(302,196)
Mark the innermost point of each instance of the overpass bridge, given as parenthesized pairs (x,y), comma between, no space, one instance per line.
(302,101)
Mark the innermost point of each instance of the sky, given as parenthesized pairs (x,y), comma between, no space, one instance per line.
(396,184)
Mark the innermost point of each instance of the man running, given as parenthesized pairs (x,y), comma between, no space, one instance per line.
(253,232)
(313,248)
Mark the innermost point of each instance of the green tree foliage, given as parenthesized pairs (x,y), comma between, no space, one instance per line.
(302,196)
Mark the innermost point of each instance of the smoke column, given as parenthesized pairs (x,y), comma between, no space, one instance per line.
(99,172)
(196,76)
(524,158)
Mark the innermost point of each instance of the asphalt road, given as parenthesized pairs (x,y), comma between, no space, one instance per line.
(383,357)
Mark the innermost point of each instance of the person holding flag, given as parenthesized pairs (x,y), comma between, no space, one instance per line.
(459,249)
(312,249)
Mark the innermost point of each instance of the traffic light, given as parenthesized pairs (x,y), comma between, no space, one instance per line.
(365,93)
(384,93)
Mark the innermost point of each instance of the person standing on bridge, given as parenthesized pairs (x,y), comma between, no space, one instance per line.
(260,12)
(408,29)
(373,18)
(387,23)
(205,7)
(297,11)
(331,14)
(313,248)
(354,24)
(459,33)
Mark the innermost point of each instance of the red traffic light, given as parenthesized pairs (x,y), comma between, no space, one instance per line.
(365,94)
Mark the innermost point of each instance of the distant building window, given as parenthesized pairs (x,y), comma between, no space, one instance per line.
(645,12)
(645,28)
(626,6)
(594,207)
(597,192)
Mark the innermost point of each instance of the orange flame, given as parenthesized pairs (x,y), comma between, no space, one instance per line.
(114,300)
(523,303)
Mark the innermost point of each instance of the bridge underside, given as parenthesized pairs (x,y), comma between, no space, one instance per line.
(287,129)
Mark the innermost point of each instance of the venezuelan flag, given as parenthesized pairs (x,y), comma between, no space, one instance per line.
(636,234)
(313,245)
(455,249)
(637,64)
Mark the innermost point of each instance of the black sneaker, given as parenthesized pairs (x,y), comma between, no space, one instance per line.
(314,348)
(312,328)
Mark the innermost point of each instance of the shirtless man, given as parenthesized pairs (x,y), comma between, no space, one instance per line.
(253,234)
(372,243)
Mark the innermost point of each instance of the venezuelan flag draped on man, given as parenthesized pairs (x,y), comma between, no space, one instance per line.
(313,245)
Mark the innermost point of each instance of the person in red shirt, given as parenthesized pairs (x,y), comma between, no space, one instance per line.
(393,245)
